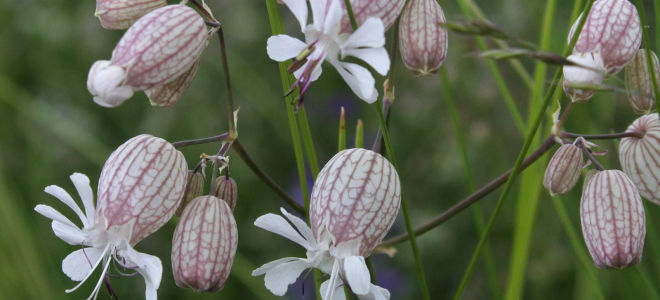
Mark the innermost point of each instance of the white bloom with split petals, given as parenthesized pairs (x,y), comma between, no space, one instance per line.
(325,42)
(101,243)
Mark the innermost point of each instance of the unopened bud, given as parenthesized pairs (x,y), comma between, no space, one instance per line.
(194,189)
(422,39)
(226,189)
(142,182)
(169,93)
(204,245)
(120,14)
(588,71)
(386,10)
(613,220)
(355,198)
(563,170)
(639,82)
(155,50)
(640,157)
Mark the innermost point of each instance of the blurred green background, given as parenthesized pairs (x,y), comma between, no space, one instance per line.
(50,128)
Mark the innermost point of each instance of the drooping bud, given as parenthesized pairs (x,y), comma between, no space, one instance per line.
(120,14)
(386,10)
(355,198)
(639,82)
(611,29)
(563,170)
(194,189)
(423,42)
(142,183)
(204,245)
(613,220)
(640,157)
(156,50)
(588,71)
(226,189)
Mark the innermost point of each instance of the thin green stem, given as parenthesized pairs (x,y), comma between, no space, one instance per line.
(477,214)
(230,98)
(308,142)
(359,135)
(351,16)
(610,136)
(211,139)
(578,247)
(341,144)
(536,123)
(649,60)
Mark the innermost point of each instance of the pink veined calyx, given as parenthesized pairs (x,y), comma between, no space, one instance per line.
(324,41)
(355,200)
(385,10)
(140,188)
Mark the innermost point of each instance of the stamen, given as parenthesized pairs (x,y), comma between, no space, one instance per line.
(333,279)
(97,288)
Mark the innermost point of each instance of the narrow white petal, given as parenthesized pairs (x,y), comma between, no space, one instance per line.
(52,214)
(80,263)
(268,266)
(358,79)
(280,277)
(339,293)
(375,57)
(63,196)
(370,34)
(333,281)
(318,12)
(278,225)
(70,234)
(332,17)
(282,47)
(148,266)
(86,195)
(96,263)
(299,9)
(376,293)
(301,226)
(357,274)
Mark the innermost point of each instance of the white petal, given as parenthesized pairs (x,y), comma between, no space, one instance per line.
(148,266)
(106,83)
(358,79)
(357,274)
(277,224)
(376,293)
(280,277)
(339,293)
(86,195)
(375,57)
(318,12)
(332,17)
(370,34)
(301,226)
(333,281)
(52,214)
(282,47)
(299,9)
(100,258)
(268,266)
(70,234)
(80,263)
(63,196)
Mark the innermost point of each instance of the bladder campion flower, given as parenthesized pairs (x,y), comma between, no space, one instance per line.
(564,169)
(386,10)
(227,190)
(639,84)
(422,39)
(640,157)
(325,42)
(161,47)
(120,14)
(355,200)
(140,187)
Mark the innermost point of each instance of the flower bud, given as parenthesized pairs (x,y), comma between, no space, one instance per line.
(639,84)
(611,29)
(120,14)
(142,182)
(226,189)
(613,221)
(563,170)
(640,157)
(588,71)
(386,10)
(204,245)
(170,93)
(355,198)
(194,189)
(423,42)
(157,49)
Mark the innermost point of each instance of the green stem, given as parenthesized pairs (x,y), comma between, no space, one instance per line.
(351,16)
(359,135)
(477,214)
(536,123)
(647,46)
(308,142)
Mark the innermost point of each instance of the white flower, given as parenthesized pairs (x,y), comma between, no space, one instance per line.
(102,243)
(324,41)
(335,260)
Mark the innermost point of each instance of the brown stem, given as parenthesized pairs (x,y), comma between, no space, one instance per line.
(238,148)
(611,136)
(211,139)
(474,197)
